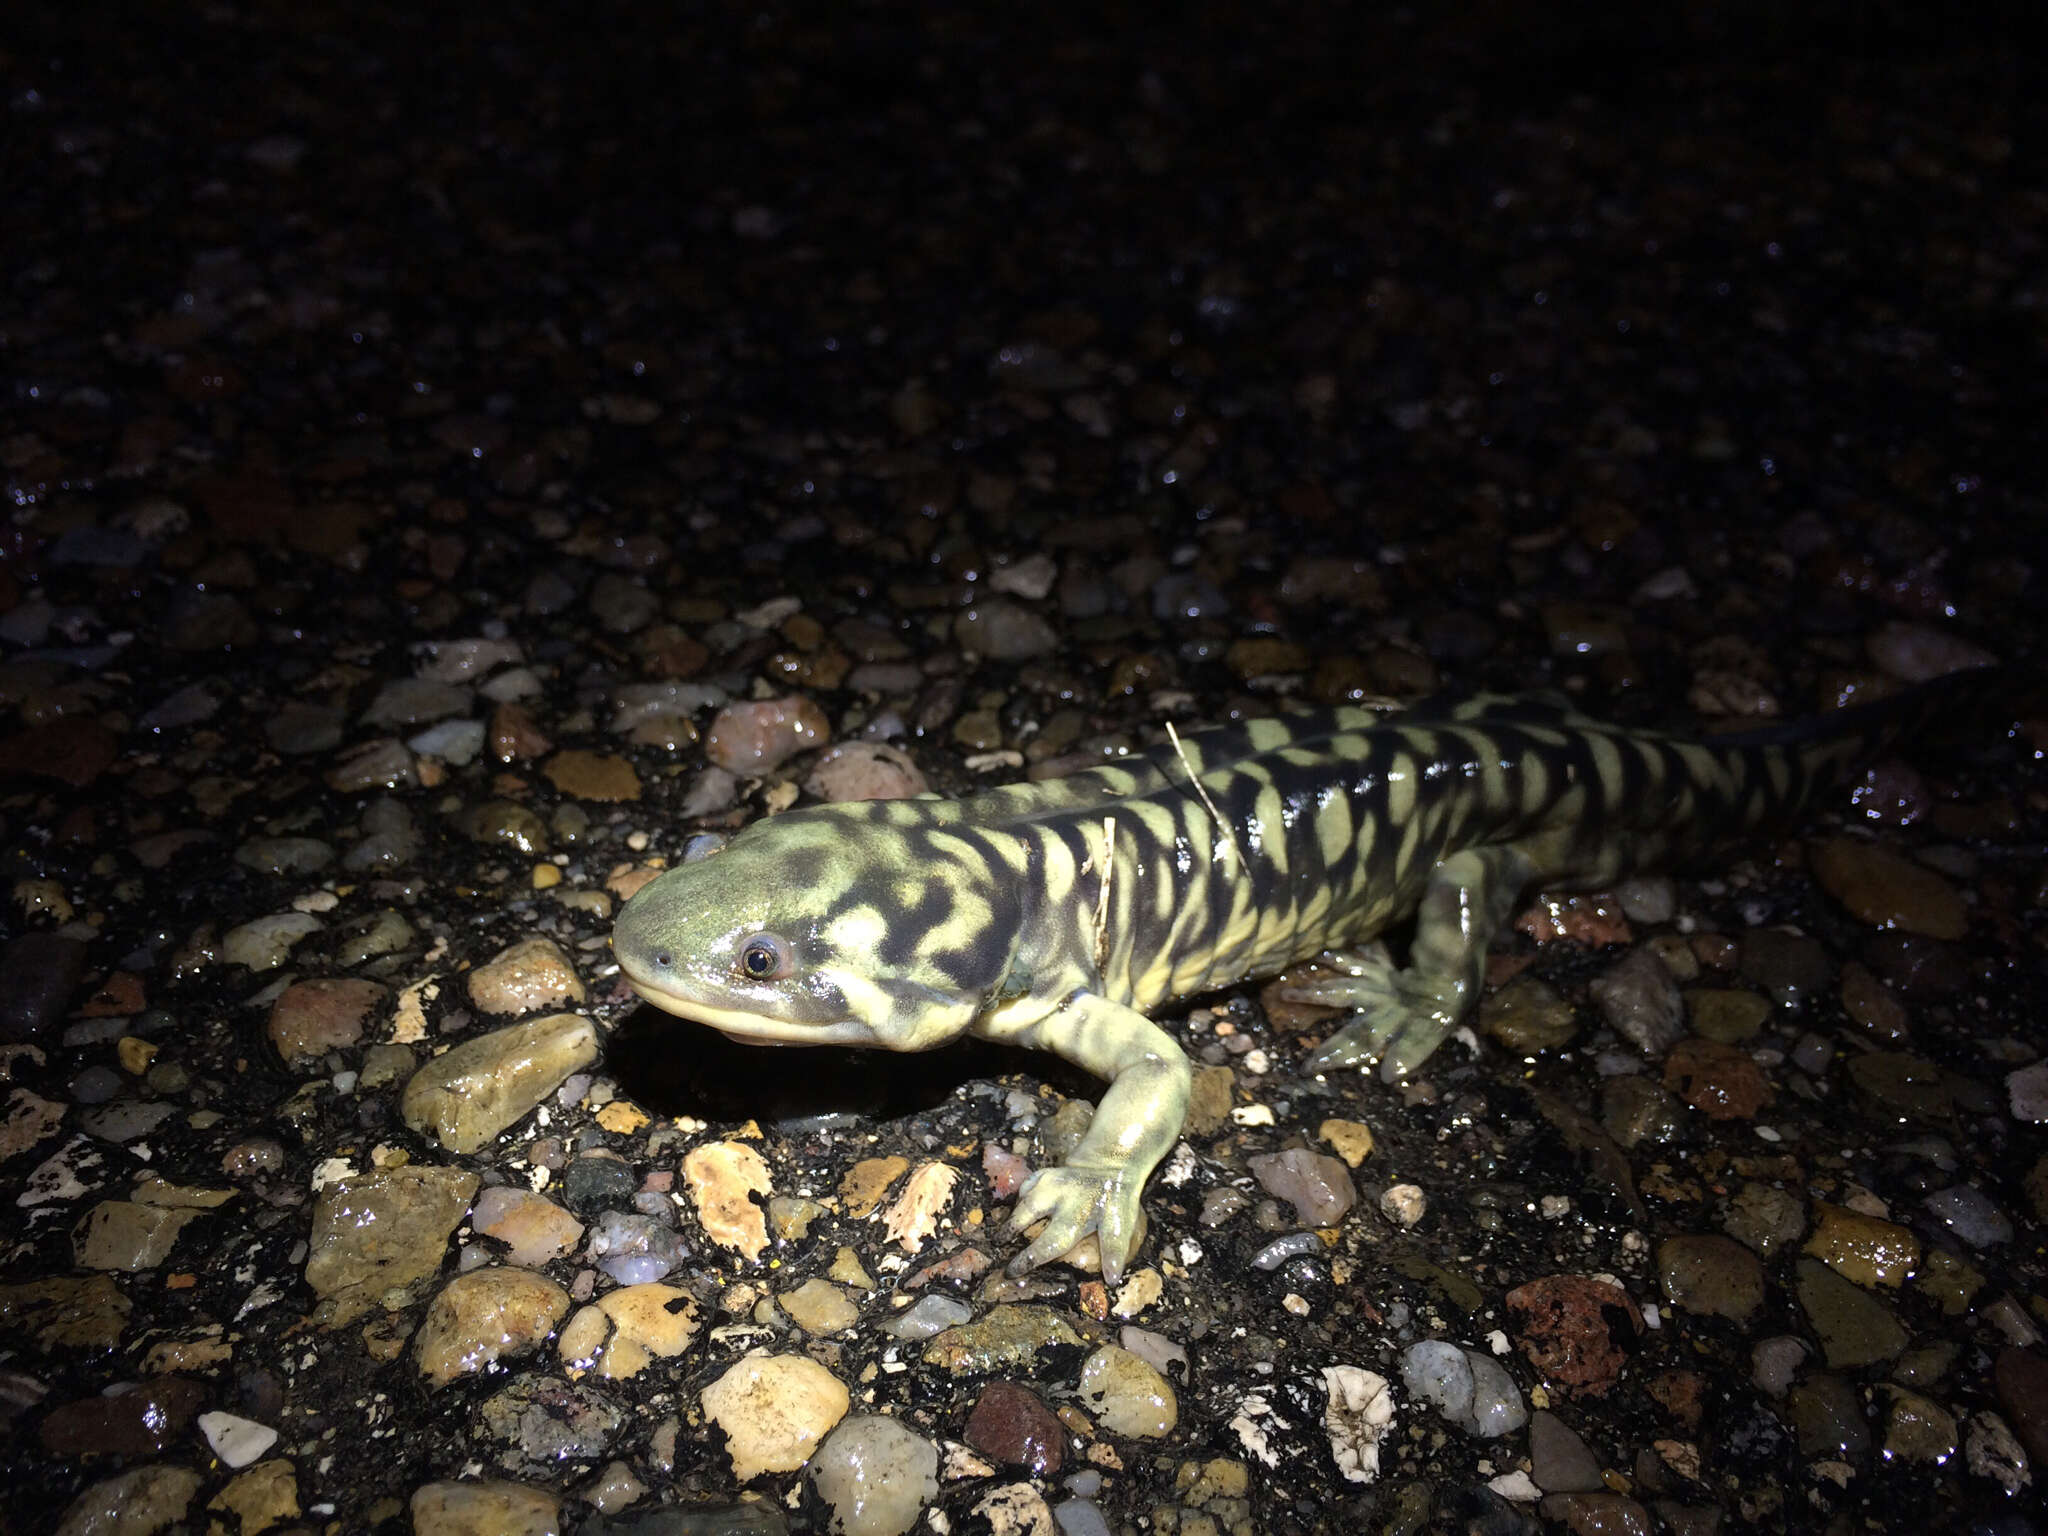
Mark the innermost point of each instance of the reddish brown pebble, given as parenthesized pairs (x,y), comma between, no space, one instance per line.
(72,751)
(140,1423)
(666,651)
(514,735)
(311,1018)
(1568,1326)
(1013,1426)
(1593,919)
(1720,1081)
(117,997)
(1682,1394)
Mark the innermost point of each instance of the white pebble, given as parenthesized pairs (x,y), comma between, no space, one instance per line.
(235,1440)
(1404,1204)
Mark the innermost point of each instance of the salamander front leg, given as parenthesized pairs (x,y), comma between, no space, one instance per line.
(1405,1014)
(1140,1117)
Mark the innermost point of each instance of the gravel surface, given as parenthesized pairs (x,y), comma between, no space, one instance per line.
(456,469)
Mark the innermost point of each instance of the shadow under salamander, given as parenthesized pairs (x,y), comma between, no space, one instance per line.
(672,1067)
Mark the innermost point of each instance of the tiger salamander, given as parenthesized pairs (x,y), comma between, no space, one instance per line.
(1059,914)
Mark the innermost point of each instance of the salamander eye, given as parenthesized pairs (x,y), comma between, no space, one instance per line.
(765,957)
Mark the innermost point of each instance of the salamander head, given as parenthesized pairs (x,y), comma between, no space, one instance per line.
(794,934)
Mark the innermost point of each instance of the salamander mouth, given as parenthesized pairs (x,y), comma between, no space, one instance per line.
(746,1026)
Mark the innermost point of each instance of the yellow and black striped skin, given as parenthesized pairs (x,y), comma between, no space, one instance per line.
(1058,914)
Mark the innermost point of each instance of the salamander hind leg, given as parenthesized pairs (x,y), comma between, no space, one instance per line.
(1405,1014)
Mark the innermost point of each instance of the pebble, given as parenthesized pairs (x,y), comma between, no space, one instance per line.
(1720,1080)
(285,855)
(865,770)
(531,974)
(1637,1110)
(127,1235)
(484,1316)
(235,1440)
(1030,577)
(598,1180)
(260,1499)
(1319,1187)
(409,701)
(38,974)
(1971,1215)
(774,1410)
(300,730)
(1888,891)
(634,1249)
(465,1097)
(1358,1416)
(1713,1275)
(876,1475)
(1003,630)
(1528,1016)
(485,1508)
(139,1502)
(1281,1249)
(637,704)
(383,763)
(463,661)
(1404,1204)
(1008,1339)
(1640,1001)
(265,944)
(626,1330)
(1467,1389)
(506,824)
(1855,1329)
(311,1018)
(1567,1325)
(1918,653)
(1920,1429)
(383,932)
(1559,1461)
(455,742)
(598,776)
(133,1420)
(1726,1015)
(534,1230)
(541,1422)
(2027,1090)
(1127,1395)
(1827,1419)
(1862,1249)
(728,1181)
(379,1234)
(927,1316)
(1764,1218)
(1791,967)
(1012,1424)
(819,1307)
(1774,1363)
(754,739)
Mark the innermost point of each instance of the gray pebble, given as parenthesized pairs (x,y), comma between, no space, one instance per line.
(415,701)
(95,1085)
(1281,1249)
(298,730)
(1640,1001)
(634,1249)
(1971,1214)
(926,1316)
(285,855)
(453,741)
